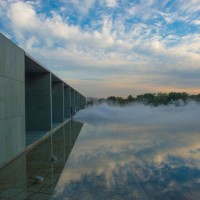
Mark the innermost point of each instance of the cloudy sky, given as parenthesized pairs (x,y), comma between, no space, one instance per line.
(111,47)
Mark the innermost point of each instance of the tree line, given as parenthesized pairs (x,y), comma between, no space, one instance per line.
(153,99)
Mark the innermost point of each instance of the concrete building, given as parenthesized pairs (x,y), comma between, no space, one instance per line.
(33,101)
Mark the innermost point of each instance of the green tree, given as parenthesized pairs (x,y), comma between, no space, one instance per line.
(121,100)
(161,98)
(174,96)
(146,98)
(198,97)
(112,99)
(130,98)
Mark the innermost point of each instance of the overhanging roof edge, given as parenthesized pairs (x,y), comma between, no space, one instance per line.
(45,68)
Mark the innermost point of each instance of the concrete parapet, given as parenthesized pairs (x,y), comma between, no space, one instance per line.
(57,101)
(73,109)
(67,102)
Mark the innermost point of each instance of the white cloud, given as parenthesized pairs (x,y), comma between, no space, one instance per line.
(111,3)
(113,48)
(83,6)
(168,17)
(196,22)
(24,20)
(192,6)
(23,17)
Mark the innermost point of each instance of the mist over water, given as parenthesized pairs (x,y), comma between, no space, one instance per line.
(139,114)
(135,152)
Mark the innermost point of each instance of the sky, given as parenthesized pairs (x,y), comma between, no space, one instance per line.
(111,47)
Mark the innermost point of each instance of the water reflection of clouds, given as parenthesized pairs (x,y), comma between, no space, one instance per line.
(112,161)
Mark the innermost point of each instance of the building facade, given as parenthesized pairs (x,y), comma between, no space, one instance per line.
(33,101)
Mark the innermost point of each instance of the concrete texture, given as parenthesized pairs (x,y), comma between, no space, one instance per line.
(38,102)
(76,101)
(31,97)
(2,55)
(17,179)
(83,102)
(57,102)
(67,102)
(14,61)
(12,100)
(72,102)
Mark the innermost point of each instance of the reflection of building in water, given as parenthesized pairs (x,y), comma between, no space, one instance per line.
(33,101)
(18,178)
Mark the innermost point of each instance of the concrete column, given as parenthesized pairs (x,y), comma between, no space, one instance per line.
(81,102)
(57,102)
(72,101)
(67,102)
(12,100)
(78,101)
(38,102)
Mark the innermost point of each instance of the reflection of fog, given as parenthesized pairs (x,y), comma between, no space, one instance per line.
(125,161)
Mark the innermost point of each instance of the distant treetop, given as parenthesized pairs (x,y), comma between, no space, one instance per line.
(154,99)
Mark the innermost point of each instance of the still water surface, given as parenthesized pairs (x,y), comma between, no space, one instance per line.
(145,158)
(124,161)
(19,179)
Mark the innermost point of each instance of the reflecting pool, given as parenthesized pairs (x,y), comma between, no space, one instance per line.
(140,153)
(34,175)
(124,161)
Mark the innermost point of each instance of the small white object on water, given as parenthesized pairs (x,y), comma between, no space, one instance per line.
(39,179)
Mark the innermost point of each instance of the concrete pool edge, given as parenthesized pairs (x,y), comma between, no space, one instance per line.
(36,143)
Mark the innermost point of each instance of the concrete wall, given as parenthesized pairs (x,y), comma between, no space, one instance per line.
(82,101)
(57,102)
(30,96)
(67,102)
(12,100)
(72,101)
(75,100)
(38,102)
